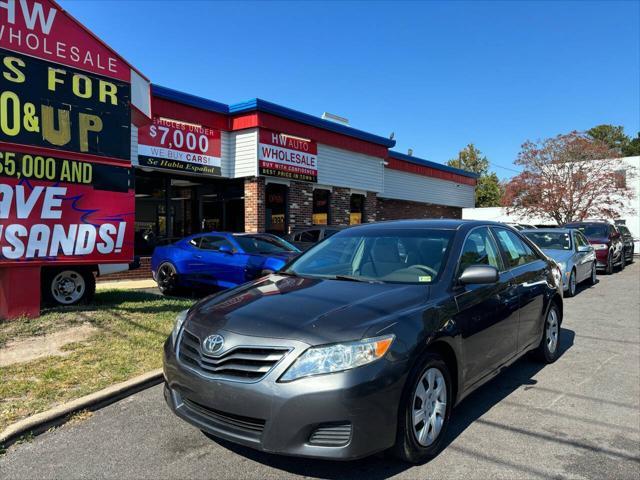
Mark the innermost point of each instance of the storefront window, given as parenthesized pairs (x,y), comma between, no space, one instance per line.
(276,208)
(357,209)
(321,207)
(151,211)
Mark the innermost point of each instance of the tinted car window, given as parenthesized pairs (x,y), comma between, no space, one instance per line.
(551,240)
(515,251)
(376,255)
(309,236)
(624,230)
(479,249)
(592,230)
(580,240)
(330,231)
(262,244)
(211,242)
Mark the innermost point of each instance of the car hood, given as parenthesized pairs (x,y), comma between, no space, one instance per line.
(558,255)
(314,311)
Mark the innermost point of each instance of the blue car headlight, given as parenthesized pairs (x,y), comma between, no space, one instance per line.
(338,357)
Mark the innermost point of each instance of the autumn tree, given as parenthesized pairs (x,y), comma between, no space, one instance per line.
(488,189)
(569,178)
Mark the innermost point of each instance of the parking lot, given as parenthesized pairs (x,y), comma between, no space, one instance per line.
(577,418)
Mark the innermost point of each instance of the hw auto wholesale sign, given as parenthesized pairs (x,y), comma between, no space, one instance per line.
(286,156)
(181,146)
(66,194)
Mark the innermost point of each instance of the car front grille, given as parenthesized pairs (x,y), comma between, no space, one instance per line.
(251,426)
(239,363)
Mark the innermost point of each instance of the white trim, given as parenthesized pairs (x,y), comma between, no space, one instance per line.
(355,191)
(279,181)
(322,187)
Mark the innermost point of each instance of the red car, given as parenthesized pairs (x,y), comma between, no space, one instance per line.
(607,242)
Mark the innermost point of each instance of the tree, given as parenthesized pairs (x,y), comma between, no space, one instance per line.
(569,178)
(488,189)
(611,135)
(633,148)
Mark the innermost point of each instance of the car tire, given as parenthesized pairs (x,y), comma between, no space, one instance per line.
(593,279)
(609,267)
(431,377)
(549,349)
(571,291)
(167,279)
(623,261)
(67,286)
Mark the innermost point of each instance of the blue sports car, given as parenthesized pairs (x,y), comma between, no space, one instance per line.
(218,259)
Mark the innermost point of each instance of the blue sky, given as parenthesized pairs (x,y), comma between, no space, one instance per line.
(438,74)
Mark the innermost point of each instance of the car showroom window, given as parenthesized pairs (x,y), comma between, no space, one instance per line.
(479,249)
(516,251)
(211,242)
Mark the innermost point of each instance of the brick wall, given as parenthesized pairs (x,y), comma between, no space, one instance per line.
(371,207)
(300,205)
(340,206)
(389,209)
(142,273)
(254,213)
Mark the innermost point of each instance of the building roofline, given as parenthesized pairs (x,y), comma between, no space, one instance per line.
(257,104)
(427,163)
(188,99)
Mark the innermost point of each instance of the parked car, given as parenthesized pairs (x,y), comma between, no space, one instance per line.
(520,226)
(606,241)
(365,342)
(571,251)
(218,259)
(306,238)
(628,243)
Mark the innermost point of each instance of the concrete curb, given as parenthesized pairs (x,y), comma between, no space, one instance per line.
(41,422)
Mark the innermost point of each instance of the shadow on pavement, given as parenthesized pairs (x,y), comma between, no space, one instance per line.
(383,465)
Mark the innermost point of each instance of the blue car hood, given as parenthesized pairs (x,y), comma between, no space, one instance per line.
(315,311)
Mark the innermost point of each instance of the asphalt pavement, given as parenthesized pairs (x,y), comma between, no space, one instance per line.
(578,418)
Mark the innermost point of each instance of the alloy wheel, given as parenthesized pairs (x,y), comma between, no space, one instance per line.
(429,406)
(594,273)
(67,287)
(572,283)
(166,277)
(553,329)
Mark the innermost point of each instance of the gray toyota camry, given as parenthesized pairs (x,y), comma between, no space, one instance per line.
(367,341)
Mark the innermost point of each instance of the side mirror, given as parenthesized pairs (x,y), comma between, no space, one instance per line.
(225,249)
(585,248)
(477,274)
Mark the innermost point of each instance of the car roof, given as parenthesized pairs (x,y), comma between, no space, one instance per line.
(551,230)
(442,223)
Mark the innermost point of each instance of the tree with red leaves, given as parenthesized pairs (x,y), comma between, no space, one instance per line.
(569,178)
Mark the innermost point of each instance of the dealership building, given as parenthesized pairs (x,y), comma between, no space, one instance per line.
(257,166)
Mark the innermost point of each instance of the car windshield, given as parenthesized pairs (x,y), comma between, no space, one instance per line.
(264,244)
(550,240)
(395,256)
(592,230)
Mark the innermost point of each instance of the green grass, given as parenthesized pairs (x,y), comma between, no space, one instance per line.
(132,326)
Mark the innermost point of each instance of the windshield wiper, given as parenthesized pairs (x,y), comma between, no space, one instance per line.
(351,278)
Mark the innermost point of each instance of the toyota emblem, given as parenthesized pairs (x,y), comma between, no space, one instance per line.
(213,344)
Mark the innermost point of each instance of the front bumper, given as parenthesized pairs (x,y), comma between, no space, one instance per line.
(357,410)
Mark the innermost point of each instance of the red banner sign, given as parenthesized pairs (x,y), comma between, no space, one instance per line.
(287,156)
(41,29)
(87,219)
(181,146)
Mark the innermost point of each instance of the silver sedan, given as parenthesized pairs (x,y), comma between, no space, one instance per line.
(571,251)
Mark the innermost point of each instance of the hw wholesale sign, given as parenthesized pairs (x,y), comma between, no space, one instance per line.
(41,29)
(64,211)
(47,105)
(181,146)
(286,156)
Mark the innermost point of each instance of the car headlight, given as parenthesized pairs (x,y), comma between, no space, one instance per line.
(600,246)
(338,357)
(557,275)
(176,328)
